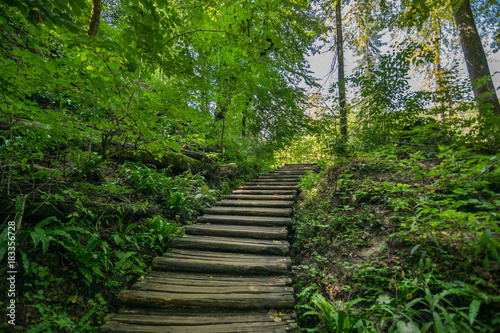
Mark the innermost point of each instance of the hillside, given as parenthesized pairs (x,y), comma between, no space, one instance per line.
(402,239)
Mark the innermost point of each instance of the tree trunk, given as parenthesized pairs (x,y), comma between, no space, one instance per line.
(223,110)
(243,126)
(95,18)
(340,53)
(475,58)
(244,119)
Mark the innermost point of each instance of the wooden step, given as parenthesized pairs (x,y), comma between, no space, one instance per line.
(260,197)
(275,177)
(269,187)
(311,165)
(247,220)
(220,262)
(266,192)
(145,320)
(256,203)
(287,173)
(201,279)
(249,211)
(226,272)
(278,233)
(229,244)
(278,299)
(277,180)
(268,183)
(209,289)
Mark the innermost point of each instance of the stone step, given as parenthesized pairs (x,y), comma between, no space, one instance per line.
(230,244)
(245,231)
(249,211)
(263,221)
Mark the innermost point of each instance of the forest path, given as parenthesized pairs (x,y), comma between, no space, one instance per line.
(228,273)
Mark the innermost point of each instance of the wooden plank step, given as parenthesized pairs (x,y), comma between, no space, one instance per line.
(260,197)
(145,320)
(282,299)
(267,192)
(201,279)
(278,180)
(162,316)
(269,187)
(229,244)
(270,183)
(237,231)
(246,220)
(300,164)
(210,289)
(250,211)
(255,203)
(275,177)
(219,262)
(287,173)
(114,327)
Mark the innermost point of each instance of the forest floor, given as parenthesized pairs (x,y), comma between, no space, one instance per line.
(401,240)
(105,235)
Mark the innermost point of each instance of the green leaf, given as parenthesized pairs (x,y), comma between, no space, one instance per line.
(19,203)
(97,270)
(86,273)
(46,221)
(438,324)
(93,241)
(474,310)
(486,263)
(117,239)
(415,248)
(38,235)
(130,228)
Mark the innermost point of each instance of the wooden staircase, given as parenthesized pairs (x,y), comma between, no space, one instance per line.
(228,273)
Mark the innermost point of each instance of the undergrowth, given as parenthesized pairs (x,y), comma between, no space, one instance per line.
(400,240)
(71,267)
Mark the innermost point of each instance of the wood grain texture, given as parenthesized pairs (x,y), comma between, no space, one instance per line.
(229,244)
(250,211)
(273,233)
(246,220)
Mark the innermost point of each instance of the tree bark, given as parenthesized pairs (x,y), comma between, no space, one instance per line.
(475,58)
(95,18)
(243,126)
(340,54)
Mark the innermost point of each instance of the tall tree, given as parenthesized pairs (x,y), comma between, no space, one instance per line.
(340,58)
(95,18)
(475,58)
